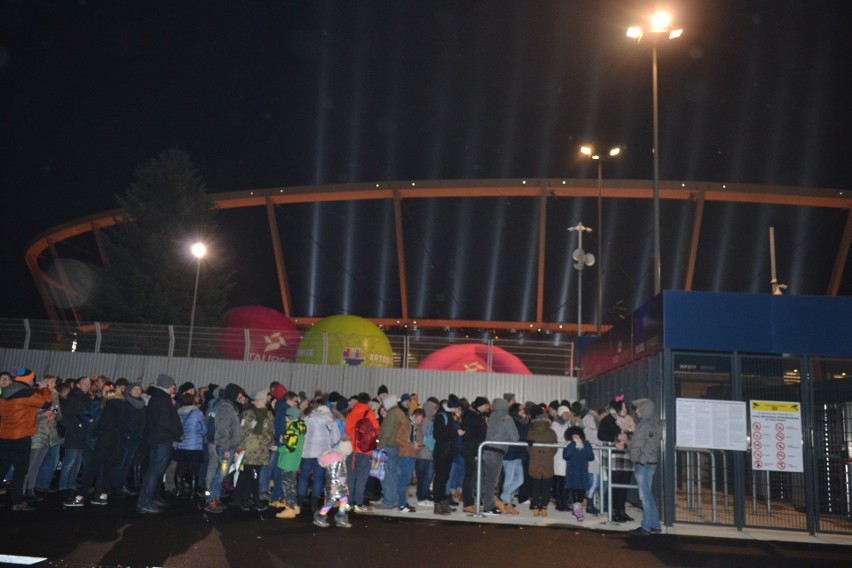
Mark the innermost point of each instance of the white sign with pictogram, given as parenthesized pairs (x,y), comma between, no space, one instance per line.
(776,436)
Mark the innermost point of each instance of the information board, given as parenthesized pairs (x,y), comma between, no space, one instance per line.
(711,424)
(776,436)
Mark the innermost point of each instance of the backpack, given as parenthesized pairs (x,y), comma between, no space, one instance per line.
(366,435)
(429,437)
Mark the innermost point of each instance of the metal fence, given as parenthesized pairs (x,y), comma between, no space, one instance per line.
(551,355)
(724,487)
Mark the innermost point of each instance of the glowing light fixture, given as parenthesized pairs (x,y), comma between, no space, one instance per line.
(199,251)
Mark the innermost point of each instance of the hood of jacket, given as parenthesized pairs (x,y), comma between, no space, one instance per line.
(499,408)
(646,407)
(430,408)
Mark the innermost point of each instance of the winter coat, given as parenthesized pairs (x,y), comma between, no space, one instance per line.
(227,436)
(387,432)
(290,454)
(47,431)
(608,432)
(256,430)
(107,432)
(590,430)
(162,423)
(322,432)
(359,411)
(541,459)
(408,435)
(279,424)
(134,414)
(446,437)
(19,406)
(430,408)
(518,452)
(644,445)
(72,421)
(194,428)
(501,427)
(559,428)
(577,460)
(475,430)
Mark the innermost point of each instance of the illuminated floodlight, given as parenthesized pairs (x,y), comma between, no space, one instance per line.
(198,250)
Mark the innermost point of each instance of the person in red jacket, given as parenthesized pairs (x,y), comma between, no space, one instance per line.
(19,406)
(358,462)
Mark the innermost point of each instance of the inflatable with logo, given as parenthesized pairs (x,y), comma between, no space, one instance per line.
(272,335)
(351,340)
(473,358)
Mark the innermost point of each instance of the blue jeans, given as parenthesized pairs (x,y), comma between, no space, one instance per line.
(215,489)
(645,479)
(513,478)
(70,468)
(358,470)
(424,470)
(405,469)
(307,466)
(159,456)
(456,474)
(592,487)
(272,472)
(48,467)
(390,484)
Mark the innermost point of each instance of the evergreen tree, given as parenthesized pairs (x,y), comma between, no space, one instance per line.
(150,277)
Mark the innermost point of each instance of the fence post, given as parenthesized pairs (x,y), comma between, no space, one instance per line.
(171,341)
(98,337)
(27,334)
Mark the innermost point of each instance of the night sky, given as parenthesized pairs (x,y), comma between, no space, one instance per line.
(276,93)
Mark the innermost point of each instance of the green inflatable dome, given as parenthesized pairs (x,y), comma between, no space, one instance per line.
(352,340)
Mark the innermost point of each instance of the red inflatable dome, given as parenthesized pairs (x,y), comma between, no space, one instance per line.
(272,336)
(473,358)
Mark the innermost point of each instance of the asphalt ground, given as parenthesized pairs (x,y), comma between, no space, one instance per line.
(115,535)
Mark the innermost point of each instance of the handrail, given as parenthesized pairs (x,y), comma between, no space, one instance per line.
(609,451)
(712,455)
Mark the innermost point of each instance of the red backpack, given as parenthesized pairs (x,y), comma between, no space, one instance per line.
(366,435)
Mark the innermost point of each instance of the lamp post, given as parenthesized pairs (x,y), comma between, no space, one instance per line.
(590,153)
(660,27)
(198,251)
(582,259)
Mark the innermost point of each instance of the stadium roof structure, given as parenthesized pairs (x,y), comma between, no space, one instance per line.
(493,254)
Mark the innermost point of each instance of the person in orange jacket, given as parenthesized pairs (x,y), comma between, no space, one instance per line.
(19,406)
(358,462)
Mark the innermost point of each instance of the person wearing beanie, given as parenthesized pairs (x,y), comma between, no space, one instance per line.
(19,407)
(561,422)
(72,419)
(278,391)
(405,403)
(226,440)
(279,426)
(446,449)
(387,441)
(509,397)
(256,426)
(613,430)
(289,461)
(382,392)
(131,438)
(162,430)
(44,450)
(475,428)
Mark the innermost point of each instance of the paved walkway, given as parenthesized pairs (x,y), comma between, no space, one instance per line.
(564,519)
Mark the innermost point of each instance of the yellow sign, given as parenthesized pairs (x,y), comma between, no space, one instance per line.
(775,406)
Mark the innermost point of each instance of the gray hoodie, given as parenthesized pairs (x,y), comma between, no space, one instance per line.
(430,408)
(644,446)
(501,426)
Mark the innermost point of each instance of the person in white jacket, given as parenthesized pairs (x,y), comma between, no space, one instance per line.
(321,435)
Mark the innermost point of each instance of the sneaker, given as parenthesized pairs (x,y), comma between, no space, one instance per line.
(74,501)
(151,509)
(127,492)
(101,499)
(23,506)
(425,503)
(382,507)
(494,511)
(639,531)
(656,531)
(262,506)
(320,520)
(342,521)
(407,509)
(362,509)
(214,506)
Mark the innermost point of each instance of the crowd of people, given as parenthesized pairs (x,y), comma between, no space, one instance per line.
(94,439)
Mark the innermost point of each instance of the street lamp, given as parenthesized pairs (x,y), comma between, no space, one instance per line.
(660,27)
(589,151)
(582,259)
(198,251)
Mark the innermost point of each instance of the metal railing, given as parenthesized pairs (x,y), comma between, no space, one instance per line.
(553,356)
(609,450)
(694,493)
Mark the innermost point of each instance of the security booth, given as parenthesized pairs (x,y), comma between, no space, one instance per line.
(755,397)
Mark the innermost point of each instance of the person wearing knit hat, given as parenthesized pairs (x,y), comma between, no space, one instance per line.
(561,422)
(278,391)
(186,387)
(165,381)
(387,441)
(475,429)
(19,407)
(382,392)
(510,398)
(227,439)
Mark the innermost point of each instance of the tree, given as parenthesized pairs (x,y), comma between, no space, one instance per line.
(150,276)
